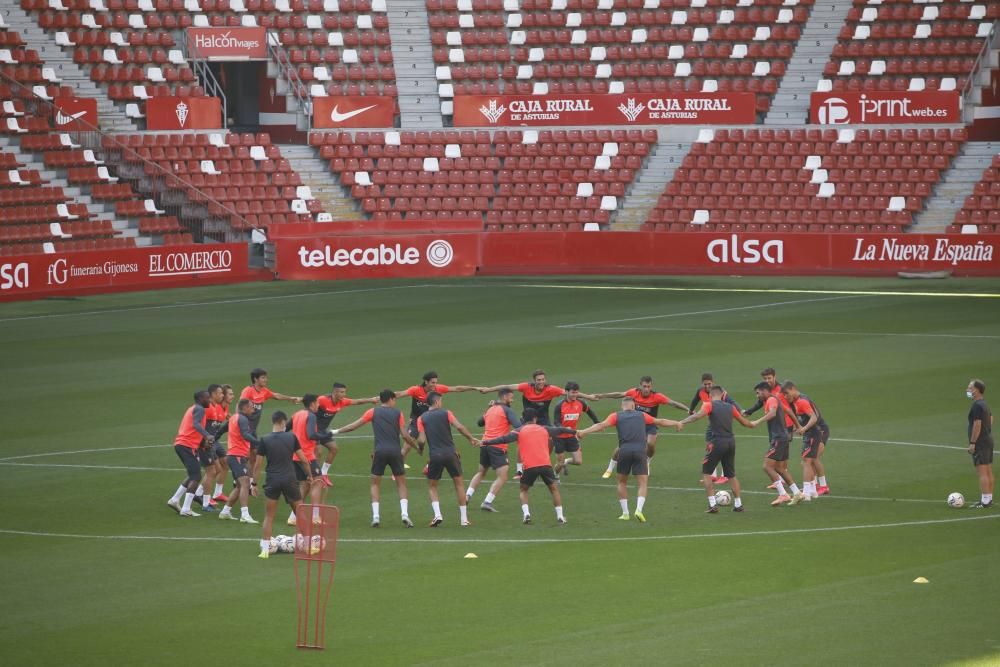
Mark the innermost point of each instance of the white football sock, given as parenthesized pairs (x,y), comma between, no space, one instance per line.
(178,494)
(624,503)
(463,512)
(640,502)
(218,490)
(265,545)
(325,468)
(315,514)
(559,512)
(404,506)
(711,501)
(188,499)
(245,512)
(525,511)
(225,511)
(794,488)
(206,500)
(375,510)
(737,502)
(821,480)
(611,465)
(469,492)
(291,516)
(779,486)
(436,506)
(987,498)
(200,491)
(490,497)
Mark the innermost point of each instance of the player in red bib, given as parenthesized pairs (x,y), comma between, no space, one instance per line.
(647,400)
(258,393)
(241,439)
(815,434)
(418,392)
(327,407)
(776,459)
(498,420)
(212,457)
(567,413)
(190,435)
(537,395)
(303,425)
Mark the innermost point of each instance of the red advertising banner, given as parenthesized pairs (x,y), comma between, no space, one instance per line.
(720,253)
(350,257)
(75,114)
(183,113)
(880,108)
(227,43)
(360,111)
(586,109)
(31,276)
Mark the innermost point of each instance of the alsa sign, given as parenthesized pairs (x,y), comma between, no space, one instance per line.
(96,271)
(378,257)
(227,43)
(874,107)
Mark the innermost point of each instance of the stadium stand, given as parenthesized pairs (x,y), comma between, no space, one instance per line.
(618,46)
(903,45)
(805,180)
(510,179)
(981,211)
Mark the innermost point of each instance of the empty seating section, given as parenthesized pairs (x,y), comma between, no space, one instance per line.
(18,102)
(982,208)
(511,179)
(236,173)
(904,45)
(617,46)
(805,180)
(131,46)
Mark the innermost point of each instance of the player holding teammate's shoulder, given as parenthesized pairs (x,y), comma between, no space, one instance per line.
(498,420)
(533,443)
(815,435)
(304,427)
(241,439)
(720,444)
(284,458)
(212,456)
(981,441)
(190,436)
(419,392)
(434,430)
(776,459)
(631,425)
(567,413)
(646,400)
(257,392)
(388,426)
(327,407)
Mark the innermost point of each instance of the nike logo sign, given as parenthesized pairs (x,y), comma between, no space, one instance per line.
(63,119)
(338,117)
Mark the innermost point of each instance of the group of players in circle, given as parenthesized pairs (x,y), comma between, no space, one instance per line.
(293,470)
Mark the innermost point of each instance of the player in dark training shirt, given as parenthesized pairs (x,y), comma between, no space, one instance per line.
(388,426)
(701,395)
(434,429)
(537,395)
(428,383)
(631,425)
(326,409)
(776,459)
(646,400)
(284,457)
(567,413)
(815,435)
(981,441)
(720,444)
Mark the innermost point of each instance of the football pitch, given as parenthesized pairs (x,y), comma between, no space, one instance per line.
(96,570)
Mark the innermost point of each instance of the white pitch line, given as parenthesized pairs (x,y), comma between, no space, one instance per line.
(540,540)
(187,304)
(703,312)
(728,330)
(751,290)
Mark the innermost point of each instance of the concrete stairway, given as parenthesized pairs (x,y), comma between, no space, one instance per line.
(649,184)
(419,104)
(791,103)
(111,117)
(317,175)
(956,184)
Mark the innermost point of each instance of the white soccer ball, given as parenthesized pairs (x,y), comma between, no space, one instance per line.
(303,544)
(723,498)
(286,544)
(273,546)
(956,500)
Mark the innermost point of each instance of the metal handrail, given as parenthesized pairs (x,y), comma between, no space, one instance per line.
(94,138)
(279,54)
(976,67)
(207,79)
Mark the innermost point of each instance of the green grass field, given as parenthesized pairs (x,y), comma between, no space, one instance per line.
(97,571)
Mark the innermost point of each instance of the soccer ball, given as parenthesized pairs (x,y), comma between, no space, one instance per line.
(286,544)
(723,498)
(273,546)
(303,544)
(956,500)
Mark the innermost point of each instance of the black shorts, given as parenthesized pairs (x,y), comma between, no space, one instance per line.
(219,450)
(439,464)
(778,450)
(190,461)
(206,456)
(651,429)
(412,429)
(983,455)
(633,462)
(544,473)
(301,475)
(720,451)
(238,466)
(327,439)
(274,489)
(492,456)
(564,445)
(387,457)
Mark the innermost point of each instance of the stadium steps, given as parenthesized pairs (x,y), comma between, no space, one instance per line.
(791,103)
(419,104)
(110,117)
(956,184)
(316,174)
(658,170)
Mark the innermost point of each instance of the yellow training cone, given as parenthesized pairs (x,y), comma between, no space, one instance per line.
(918,580)
(471,555)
